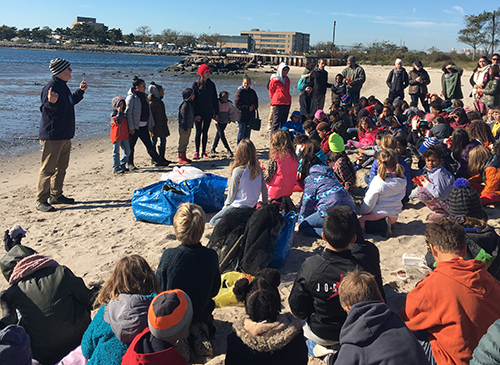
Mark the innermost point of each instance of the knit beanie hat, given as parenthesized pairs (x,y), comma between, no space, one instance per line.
(14,346)
(398,61)
(465,201)
(320,114)
(170,315)
(346,99)
(429,142)
(203,68)
(418,63)
(351,59)
(336,143)
(58,65)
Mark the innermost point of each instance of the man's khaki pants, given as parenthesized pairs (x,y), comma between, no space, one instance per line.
(55,160)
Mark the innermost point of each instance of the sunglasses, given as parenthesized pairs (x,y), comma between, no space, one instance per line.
(495,59)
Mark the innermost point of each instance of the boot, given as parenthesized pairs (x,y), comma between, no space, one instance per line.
(183,159)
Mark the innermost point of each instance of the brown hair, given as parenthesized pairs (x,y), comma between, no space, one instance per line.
(370,126)
(388,141)
(131,275)
(446,235)
(357,287)
(323,126)
(281,144)
(478,129)
(388,160)
(478,156)
(246,156)
(310,147)
(189,224)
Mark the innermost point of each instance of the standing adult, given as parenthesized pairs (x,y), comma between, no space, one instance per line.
(478,80)
(495,59)
(355,77)
(140,122)
(57,127)
(451,81)
(419,79)
(279,93)
(319,80)
(247,102)
(206,108)
(397,81)
(160,129)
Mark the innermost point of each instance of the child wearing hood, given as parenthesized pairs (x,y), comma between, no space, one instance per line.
(119,135)
(160,129)
(186,123)
(294,125)
(279,93)
(338,89)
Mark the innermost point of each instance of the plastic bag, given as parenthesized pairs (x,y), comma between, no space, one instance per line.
(208,191)
(284,246)
(226,296)
(159,202)
(180,174)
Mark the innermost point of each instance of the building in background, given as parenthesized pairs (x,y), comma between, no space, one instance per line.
(84,20)
(282,42)
(235,43)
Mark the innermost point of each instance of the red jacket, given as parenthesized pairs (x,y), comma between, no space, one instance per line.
(455,304)
(283,180)
(119,132)
(279,93)
(170,356)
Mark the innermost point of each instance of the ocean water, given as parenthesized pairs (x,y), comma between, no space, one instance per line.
(25,72)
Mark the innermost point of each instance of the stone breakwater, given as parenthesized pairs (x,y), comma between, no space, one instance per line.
(219,65)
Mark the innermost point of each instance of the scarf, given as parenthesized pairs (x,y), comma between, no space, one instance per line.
(29,265)
(478,78)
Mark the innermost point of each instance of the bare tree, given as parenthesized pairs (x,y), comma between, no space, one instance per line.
(143,34)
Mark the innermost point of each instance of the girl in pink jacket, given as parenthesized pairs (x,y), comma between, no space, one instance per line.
(366,134)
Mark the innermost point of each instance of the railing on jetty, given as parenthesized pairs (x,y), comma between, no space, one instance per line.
(277,59)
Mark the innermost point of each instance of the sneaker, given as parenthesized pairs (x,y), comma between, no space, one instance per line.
(61,200)
(45,207)
(388,233)
(213,151)
(118,172)
(131,167)
(204,155)
(230,153)
(196,156)
(124,168)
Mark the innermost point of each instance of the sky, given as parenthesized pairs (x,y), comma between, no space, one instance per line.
(419,25)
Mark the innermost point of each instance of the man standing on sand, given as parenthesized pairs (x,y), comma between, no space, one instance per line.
(319,80)
(354,77)
(57,127)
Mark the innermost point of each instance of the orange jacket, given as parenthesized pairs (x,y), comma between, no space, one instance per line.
(119,132)
(455,304)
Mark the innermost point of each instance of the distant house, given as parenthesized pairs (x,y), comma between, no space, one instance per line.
(84,20)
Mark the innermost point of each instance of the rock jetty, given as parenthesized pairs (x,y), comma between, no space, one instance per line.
(219,65)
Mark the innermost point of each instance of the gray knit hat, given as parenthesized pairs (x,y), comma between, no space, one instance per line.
(58,65)
(14,346)
(170,315)
(351,59)
(465,201)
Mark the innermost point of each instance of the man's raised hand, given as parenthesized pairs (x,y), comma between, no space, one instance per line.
(52,96)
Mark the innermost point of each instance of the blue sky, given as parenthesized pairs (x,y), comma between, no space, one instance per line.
(419,24)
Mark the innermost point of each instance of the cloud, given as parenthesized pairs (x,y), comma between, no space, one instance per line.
(414,10)
(459,9)
(414,23)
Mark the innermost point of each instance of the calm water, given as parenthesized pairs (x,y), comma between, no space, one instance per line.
(24,73)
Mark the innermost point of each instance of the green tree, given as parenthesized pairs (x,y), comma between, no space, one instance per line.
(81,33)
(186,40)
(474,33)
(100,35)
(24,33)
(45,33)
(169,36)
(143,34)
(115,35)
(7,32)
(129,38)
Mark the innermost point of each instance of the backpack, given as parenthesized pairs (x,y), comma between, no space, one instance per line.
(301,85)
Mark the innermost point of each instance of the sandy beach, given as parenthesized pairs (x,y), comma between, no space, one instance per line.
(91,235)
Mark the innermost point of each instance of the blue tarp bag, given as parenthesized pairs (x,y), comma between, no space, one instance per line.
(284,246)
(158,203)
(208,191)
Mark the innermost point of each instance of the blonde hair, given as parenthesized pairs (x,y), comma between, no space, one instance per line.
(478,156)
(246,156)
(388,141)
(131,275)
(281,145)
(357,287)
(388,162)
(189,224)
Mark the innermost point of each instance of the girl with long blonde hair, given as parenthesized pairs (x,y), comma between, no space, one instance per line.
(247,181)
(382,203)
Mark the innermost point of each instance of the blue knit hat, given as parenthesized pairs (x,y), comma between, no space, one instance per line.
(14,346)
(429,142)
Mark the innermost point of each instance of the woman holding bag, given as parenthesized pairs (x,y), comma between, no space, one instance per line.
(247,103)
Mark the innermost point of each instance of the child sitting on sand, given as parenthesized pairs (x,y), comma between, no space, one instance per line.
(434,185)
(247,181)
(453,306)
(186,123)
(194,269)
(372,332)
(324,132)
(294,125)
(342,166)
(119,135)
(366,134)
(382,203)
(264,336)
(484,167)
(124,300)
(169,318)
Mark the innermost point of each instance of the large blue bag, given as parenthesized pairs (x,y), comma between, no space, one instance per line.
(208,191)
(284,246)
(158,203)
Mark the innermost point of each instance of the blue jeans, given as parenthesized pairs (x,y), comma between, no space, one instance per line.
(312,225)
(125,146)
(243,131)
(216,218)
